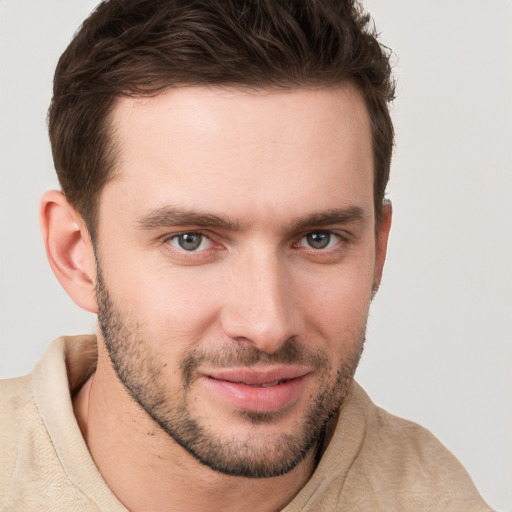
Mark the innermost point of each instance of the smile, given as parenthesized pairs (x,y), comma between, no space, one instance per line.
(265,384)
(258,390)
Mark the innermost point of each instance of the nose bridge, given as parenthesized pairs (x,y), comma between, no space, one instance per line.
(261,306)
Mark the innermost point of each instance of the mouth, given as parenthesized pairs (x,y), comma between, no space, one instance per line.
(264,384)
(258,389)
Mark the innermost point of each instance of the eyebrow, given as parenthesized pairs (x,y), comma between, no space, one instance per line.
(169,216)
(351,214)
(177,217)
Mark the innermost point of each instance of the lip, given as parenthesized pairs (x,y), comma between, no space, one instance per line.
(266,389)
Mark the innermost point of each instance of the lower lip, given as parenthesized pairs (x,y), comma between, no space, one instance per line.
(258,399)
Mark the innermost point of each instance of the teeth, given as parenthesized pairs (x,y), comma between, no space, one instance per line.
(263,384)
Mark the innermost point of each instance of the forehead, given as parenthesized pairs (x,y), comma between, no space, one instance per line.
(223,148)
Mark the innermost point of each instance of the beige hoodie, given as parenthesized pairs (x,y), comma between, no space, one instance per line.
(374,461)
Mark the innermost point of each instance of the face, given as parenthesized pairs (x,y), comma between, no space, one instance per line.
(236,255)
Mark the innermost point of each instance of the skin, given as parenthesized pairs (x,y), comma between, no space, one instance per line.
(274,166)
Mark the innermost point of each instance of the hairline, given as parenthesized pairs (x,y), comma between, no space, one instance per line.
(112,148)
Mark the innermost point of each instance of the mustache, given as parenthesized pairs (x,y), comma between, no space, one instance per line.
(247,355)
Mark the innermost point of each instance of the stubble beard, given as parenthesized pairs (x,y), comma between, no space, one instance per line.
(269,455)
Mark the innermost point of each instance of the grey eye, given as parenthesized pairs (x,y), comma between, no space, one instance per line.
(188,241)
(320,239)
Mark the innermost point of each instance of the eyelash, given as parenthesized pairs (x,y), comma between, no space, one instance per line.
(332,237)
(204,238)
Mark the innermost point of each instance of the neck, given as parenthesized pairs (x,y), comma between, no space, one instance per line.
(147,470)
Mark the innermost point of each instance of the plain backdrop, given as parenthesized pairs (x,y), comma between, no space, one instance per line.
(439,340)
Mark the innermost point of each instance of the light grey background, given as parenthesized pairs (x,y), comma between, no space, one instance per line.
(439,341)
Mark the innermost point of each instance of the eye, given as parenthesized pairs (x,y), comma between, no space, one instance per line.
(319,240)
(190,242)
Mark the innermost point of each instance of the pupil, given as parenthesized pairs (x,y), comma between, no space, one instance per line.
(318,240)
(190,241)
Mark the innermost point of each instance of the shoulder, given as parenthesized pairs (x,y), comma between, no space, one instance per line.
(44,461)
(377,462)
(403,466)
(16,407)
(19,421)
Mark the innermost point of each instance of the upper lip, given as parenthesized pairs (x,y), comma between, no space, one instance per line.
(257,375)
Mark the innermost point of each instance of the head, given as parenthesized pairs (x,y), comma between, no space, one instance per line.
(140,48)
(223,169)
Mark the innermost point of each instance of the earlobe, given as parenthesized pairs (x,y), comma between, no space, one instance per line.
(381,242)
(69,248)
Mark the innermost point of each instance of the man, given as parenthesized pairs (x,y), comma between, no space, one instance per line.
(223,169)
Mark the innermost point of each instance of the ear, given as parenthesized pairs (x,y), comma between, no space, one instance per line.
(69,248)
(381,242)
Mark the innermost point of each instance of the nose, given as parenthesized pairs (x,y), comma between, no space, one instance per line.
(261,306)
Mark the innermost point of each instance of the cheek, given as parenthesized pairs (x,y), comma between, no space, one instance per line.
(338,309)
(336,304)
(169,305)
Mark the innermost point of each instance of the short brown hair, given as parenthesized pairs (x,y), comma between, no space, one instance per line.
(141,47)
